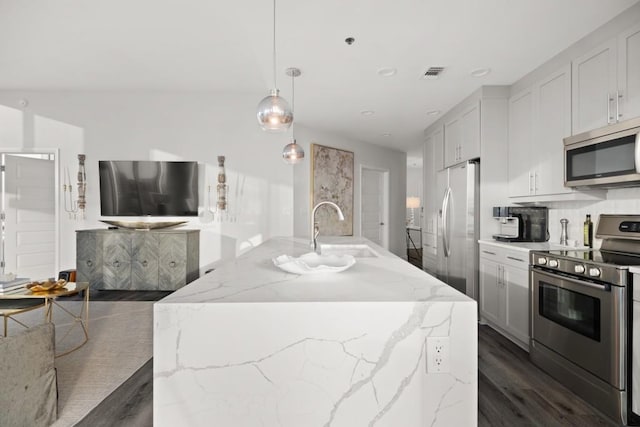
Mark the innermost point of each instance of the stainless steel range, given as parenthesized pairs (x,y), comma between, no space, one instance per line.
(580,312)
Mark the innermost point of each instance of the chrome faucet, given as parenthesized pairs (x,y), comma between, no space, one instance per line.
(315,229)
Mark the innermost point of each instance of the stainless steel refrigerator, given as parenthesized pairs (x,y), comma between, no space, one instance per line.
(458,227)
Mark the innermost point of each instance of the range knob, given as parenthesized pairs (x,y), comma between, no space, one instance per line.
(542,261)
(579,269)
(553,263)
(594,272)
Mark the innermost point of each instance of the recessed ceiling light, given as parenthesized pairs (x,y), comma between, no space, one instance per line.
(387,72)
(480,72)
(367,112)
(433,112)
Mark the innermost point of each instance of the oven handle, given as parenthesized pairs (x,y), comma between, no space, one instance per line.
(574,282)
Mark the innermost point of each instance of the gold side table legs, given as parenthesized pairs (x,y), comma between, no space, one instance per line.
(81,319)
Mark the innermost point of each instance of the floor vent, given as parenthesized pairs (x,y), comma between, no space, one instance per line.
(433,73)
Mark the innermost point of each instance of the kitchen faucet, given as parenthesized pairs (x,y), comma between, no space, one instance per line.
(315,229)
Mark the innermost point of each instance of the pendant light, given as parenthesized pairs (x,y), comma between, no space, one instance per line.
(292,153)
(274,114)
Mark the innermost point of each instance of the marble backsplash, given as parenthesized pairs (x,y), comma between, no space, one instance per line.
(619,201)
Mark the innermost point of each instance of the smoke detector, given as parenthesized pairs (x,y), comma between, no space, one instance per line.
(433,73)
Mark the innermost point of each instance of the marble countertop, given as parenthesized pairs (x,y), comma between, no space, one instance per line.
(253,278)
(525,246)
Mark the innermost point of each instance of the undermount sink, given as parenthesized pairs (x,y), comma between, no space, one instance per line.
(355,250)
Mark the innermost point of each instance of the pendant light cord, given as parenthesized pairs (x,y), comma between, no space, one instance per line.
(275,86)
(293,102)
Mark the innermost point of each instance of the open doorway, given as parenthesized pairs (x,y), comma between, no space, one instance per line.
(29,216)
(374,205)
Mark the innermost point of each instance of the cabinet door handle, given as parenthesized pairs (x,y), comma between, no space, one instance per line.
(488,252)
(499,275)
(144,263)
(618,98)
(172,264)
(535,182)
(515,259)
(89,263)
(530,187)
(609,116)
(116,263)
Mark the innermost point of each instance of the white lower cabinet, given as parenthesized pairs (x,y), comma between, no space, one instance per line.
(504,292)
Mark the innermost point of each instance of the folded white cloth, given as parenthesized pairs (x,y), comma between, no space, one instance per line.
(313,263)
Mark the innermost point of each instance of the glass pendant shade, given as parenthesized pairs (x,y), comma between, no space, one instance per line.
(292,153)
(274,113)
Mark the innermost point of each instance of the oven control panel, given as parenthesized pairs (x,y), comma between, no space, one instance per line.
(580,269)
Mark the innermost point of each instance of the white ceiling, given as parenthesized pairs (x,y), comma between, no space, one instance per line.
(226,46)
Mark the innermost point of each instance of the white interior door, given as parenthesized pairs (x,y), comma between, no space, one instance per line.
(29,246)
(374,200)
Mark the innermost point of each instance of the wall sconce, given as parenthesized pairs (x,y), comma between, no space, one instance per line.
(76,208)
(412,203)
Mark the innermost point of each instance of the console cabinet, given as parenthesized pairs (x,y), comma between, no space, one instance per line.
(137,259)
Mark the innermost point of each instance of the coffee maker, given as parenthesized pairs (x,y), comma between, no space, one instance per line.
(521,224)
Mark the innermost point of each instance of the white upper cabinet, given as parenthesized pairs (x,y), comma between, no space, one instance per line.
(606,83)
(462,136)
(629,73)
(539,119)
(520,143)
(452,137)
(432,163)
(552,115)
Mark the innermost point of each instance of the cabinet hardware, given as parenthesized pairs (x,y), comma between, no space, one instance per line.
(487,252)
(609,101)
(89,263)
(618,113)
(116,263)
(172,264)
(515,259)
(144,263)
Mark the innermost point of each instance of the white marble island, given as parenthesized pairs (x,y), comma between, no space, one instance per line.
(251,345)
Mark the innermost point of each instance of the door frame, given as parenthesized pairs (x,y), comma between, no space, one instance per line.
(385,201)
(56,172)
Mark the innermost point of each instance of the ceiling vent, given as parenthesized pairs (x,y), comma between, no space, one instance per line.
(433,73)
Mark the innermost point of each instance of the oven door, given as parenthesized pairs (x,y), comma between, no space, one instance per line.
(582,321)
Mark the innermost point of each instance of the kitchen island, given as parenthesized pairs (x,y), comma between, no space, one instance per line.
(251,345)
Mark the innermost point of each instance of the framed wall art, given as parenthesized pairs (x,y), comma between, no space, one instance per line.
(332,180)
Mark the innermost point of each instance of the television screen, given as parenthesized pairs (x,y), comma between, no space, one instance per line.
(137,188)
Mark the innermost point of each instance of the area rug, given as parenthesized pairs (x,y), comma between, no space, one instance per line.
(120,342)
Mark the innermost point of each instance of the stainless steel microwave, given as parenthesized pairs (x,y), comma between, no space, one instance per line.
(605,157)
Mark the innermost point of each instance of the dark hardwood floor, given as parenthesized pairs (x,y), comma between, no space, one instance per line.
(514,392)
(511,390)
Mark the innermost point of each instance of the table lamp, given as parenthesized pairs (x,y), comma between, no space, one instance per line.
(412,203)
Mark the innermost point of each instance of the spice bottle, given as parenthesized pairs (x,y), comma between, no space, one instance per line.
(588,232)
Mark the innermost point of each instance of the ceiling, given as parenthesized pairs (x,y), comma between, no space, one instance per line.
(226,46)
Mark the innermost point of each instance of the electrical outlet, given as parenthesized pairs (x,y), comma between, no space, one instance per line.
(437,350)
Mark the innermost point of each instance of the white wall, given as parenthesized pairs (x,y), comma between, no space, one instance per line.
(162,126)
(364,155)
(620,201)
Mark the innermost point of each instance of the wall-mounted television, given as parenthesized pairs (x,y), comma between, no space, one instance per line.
(154,188)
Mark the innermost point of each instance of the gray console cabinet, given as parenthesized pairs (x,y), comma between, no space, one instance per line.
(137,259)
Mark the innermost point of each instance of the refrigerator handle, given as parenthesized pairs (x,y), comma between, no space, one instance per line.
(445,222)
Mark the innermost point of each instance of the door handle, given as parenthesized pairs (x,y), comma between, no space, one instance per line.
(618,98)
(609,116)
(445,222)
(382,223)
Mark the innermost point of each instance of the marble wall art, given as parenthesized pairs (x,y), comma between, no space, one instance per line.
(332,180)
